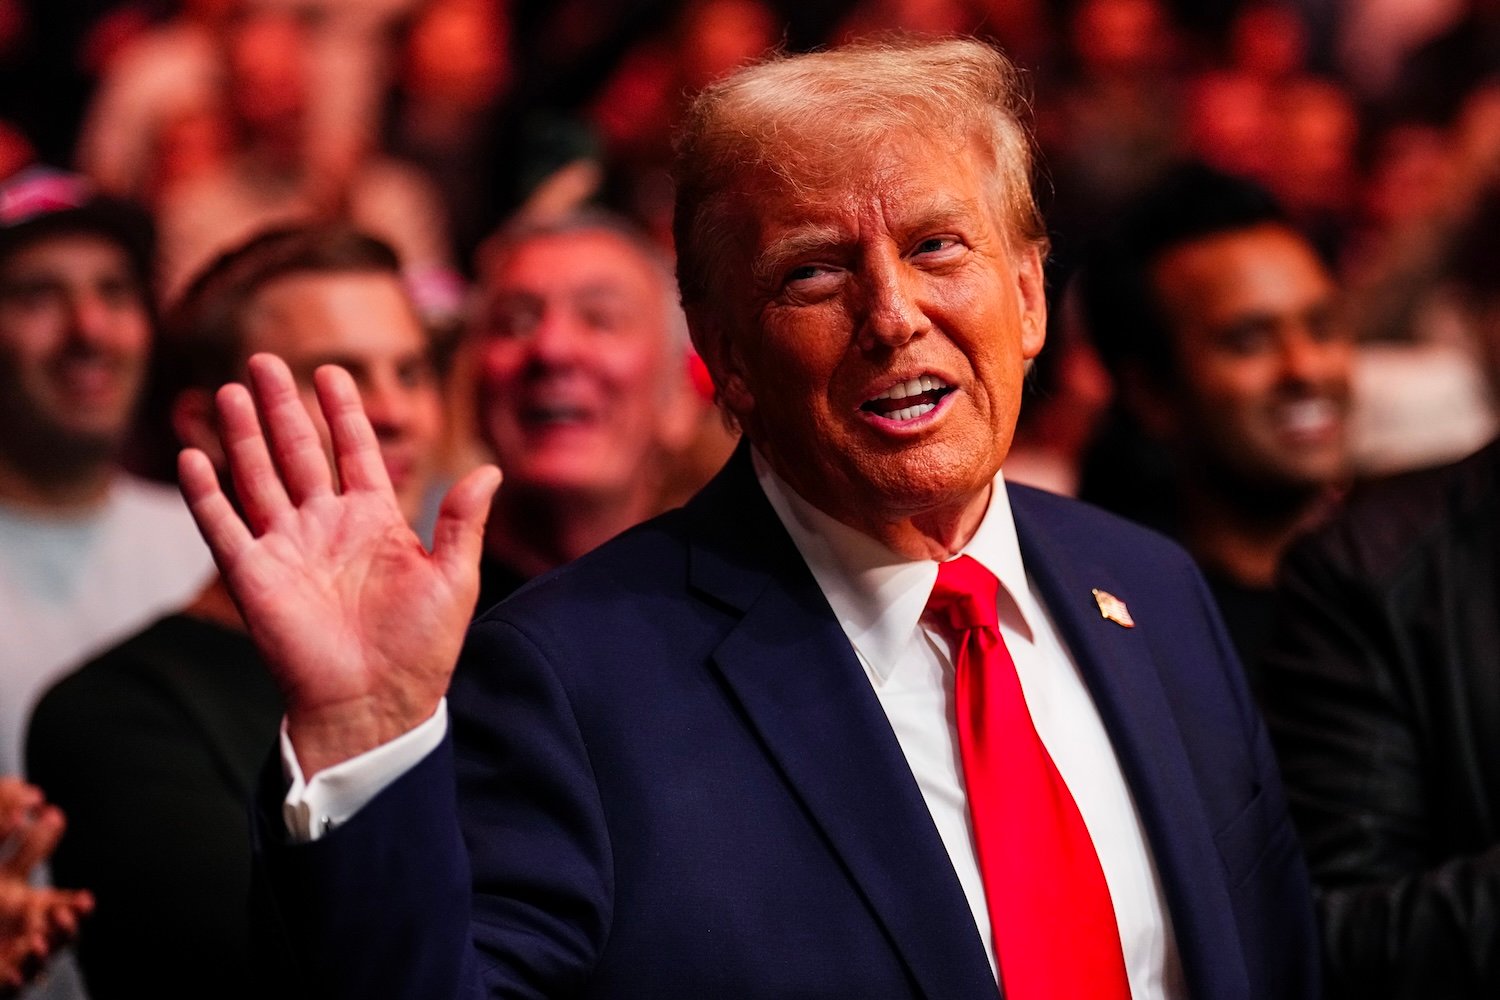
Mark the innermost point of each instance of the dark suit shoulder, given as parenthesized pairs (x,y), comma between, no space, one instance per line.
(1389,526)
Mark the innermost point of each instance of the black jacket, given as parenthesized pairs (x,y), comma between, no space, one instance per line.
(1382,692)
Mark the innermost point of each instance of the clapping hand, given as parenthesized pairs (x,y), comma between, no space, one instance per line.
(358,622)
(34,921)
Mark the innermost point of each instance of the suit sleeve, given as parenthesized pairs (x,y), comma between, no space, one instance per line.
(482,872)
(1399,919)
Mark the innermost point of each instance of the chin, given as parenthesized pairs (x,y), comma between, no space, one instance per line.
(918,483)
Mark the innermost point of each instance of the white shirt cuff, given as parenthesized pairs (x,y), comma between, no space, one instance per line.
(312,808)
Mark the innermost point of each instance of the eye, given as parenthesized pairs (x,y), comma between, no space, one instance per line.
(30,296)
(603,318)
(415,373)
(119,292)
(1246,339)
(513,319)
(934,244)
(1325,326)
(808,283)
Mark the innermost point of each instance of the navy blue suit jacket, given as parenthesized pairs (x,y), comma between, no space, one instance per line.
(673,779)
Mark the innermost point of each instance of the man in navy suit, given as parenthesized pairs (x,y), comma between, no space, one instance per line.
(738,751)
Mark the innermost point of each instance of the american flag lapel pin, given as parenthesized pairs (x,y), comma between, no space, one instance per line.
(1113,608)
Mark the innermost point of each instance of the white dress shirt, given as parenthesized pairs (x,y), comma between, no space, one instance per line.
(878,597)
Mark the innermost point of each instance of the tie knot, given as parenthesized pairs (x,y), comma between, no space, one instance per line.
(965,596)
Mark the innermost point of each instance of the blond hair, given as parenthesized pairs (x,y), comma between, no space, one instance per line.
(799,115)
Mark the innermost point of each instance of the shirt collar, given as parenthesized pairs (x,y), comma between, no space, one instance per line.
(879,595)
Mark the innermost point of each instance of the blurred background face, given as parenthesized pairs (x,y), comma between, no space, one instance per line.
(576,364)
(74,335)
(363,322)
(1262,386)
(267,74)
(457,52)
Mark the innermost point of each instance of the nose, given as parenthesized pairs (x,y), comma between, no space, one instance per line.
(389,404)
(555,340)
(92,319)
(893,312)
(1311,359)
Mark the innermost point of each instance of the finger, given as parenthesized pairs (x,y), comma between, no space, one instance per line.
(17,798)
(38,838)
(356,450)
(218,522)
(64,918)
(458,535)
(295,445)
(257,484)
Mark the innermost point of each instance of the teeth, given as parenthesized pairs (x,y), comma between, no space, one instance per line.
(555,414)
(912,387)
(1308,415)
(911,412)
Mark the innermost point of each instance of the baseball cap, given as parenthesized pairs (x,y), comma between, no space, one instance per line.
(41,201)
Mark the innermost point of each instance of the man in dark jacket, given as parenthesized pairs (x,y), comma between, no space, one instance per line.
(1383,699)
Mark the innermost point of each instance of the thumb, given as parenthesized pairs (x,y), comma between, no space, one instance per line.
(458,536)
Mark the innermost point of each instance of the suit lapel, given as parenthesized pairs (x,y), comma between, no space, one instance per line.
(790,667)
(1119,668)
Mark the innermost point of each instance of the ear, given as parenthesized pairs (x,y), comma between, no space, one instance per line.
(715,346)
(194,423)
(680,404)
(1031,289)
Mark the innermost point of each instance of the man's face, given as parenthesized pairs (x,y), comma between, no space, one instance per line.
(577,362)
(363,322)
(1262,387)
(877,355)
(74,336)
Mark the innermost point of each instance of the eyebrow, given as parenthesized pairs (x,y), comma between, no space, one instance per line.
(799,242)
(937,211)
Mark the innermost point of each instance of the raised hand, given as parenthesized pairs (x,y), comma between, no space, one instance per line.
(34,921)
(360,624)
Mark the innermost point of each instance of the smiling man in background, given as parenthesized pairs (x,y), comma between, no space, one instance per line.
(1221,327)
(580,356)
(87,552)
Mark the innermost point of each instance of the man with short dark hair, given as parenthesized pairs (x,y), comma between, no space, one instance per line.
(859,721)
(153,746)
(1221,327)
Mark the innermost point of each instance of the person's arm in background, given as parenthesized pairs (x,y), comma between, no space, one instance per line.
(34,921)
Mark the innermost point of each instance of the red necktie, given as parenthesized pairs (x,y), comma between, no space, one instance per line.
(1050,913)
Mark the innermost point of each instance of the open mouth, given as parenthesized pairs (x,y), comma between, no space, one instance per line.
(908,400)
(1308,416)
(547,416)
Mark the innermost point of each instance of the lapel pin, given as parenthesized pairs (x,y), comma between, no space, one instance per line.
(1113,608)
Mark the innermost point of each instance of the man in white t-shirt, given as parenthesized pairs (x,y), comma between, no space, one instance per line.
(87,553)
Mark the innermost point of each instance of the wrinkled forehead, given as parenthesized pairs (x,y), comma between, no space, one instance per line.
(902,178)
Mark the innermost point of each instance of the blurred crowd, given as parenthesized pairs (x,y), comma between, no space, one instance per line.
(468,204)
(430,122)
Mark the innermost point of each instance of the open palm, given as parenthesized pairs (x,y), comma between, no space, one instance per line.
(359,623)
